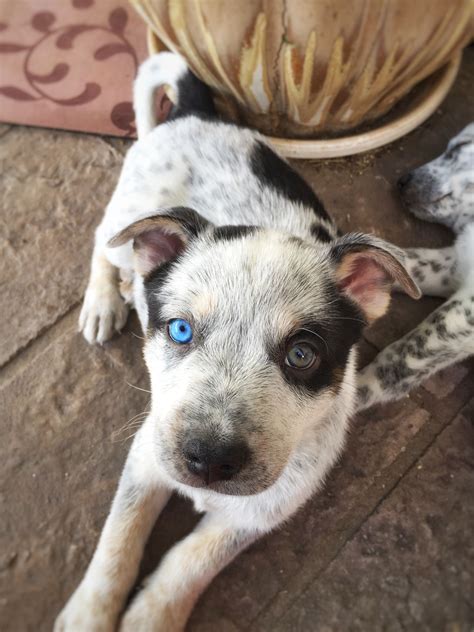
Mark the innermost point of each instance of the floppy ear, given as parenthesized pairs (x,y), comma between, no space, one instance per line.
(366,270)
(160,238)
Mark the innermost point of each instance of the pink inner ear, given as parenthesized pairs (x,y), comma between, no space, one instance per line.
(163,105)
(364,272)
(368,284)
(155,247)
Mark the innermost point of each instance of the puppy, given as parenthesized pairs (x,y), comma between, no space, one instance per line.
(252,307)
(441,191)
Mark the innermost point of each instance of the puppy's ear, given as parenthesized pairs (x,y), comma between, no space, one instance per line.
(366,270)
(160,238)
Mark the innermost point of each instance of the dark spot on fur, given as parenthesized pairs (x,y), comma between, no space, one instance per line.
(435,266)
(418,340)
(194,97)
(297,241)
(320,233)
(153,284)
(363,394)
(418,275)
(277,174)
(391,376)
(226,233)
(189,219)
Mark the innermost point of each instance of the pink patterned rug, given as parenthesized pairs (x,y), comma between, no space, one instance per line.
(70,64)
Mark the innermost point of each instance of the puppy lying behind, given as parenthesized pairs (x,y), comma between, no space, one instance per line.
(441,191)
(252,307)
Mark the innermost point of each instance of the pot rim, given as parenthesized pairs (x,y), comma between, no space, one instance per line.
(436,88)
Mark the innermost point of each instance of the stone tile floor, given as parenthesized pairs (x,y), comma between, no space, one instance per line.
(388,544)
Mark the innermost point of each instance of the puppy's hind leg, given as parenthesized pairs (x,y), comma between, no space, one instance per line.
(445,337)
(104,310)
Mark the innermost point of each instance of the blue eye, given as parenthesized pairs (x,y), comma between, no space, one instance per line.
(180,331)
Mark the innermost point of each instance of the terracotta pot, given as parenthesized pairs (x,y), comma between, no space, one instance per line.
(306,68)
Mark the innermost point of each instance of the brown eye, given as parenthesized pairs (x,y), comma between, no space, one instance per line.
(300,355)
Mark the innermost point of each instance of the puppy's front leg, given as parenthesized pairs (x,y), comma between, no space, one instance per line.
(169,594)
(104,310)
(97,602)
(444,337)
(434,270)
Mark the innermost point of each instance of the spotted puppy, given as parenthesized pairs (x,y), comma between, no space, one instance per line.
(252,307)
(441,191)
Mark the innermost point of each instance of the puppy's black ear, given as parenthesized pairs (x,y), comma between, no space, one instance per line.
(162,237)
(366,270)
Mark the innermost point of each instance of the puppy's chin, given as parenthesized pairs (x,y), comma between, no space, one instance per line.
(426,210)
(419,210)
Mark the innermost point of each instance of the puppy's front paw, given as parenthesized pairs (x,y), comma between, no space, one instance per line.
(369,389)
(85,613)
(148,613)
(103,313)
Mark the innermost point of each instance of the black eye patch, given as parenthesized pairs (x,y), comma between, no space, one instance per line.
(332,338)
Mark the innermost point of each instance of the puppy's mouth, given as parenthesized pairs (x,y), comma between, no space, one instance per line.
(421,204)
(248,483)
(226,487)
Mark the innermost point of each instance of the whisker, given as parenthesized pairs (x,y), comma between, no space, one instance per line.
(315,334)
(358,320)
(138,388)
(116,440)
(144,413)
(133,421)
(130,424)
(138,419)
(116,436)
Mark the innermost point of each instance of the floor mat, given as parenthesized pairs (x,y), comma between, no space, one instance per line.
(69,64)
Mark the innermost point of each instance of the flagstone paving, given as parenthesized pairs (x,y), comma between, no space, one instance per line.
(387,545)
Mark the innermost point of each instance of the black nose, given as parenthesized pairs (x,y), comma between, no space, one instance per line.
(213,461)
(404,180)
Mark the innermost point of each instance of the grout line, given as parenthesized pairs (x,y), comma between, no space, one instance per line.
(35,345)
(6,131)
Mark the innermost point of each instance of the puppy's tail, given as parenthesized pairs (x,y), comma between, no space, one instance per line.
(188,94)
